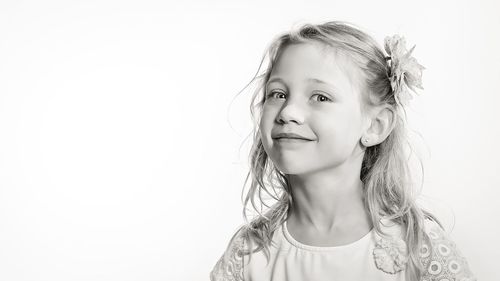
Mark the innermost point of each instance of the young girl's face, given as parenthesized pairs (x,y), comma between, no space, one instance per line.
(312,92)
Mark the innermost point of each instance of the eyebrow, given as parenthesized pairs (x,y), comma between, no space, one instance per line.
(278,79)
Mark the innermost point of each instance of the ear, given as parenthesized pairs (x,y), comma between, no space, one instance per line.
(382,121)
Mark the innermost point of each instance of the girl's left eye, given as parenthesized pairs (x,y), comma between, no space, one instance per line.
(322,96)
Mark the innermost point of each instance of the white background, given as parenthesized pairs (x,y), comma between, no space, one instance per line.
(120,149)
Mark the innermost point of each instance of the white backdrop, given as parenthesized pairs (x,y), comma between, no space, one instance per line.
(120,149)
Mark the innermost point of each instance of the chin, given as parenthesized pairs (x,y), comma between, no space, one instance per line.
(292,167)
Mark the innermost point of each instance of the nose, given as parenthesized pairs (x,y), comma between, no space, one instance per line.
(290,113)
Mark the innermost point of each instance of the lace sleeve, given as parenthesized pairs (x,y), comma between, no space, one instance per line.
(442,259)
(229,267)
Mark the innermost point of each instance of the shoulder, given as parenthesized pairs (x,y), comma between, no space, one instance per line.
(440,256)
(389,251)
(229,266)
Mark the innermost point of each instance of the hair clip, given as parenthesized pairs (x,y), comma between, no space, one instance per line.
(406,72)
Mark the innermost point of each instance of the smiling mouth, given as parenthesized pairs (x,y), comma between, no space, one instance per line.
(291,140)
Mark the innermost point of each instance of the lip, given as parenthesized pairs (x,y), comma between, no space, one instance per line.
(290,136)
(291,143)
(291,140)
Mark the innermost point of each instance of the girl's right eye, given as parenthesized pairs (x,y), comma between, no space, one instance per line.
(274,93)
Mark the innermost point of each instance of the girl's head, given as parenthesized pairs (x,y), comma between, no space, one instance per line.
(319,91)
(335,80)
(332,85)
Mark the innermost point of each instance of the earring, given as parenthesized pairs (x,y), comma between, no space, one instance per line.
(366,140)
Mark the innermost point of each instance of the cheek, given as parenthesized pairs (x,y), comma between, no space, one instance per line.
(342,128)
(265,126)
(266,121)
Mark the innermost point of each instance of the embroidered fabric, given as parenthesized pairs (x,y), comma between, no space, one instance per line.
(442,259)
(229,267)
(390,255)
(439,254)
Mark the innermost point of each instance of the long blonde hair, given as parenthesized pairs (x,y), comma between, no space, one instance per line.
(388,188)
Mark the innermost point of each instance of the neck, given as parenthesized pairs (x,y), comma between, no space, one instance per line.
(327,201)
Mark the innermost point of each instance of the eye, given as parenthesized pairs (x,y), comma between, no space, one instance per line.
(273,94)
(325,98)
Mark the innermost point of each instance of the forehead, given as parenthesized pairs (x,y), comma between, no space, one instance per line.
(318,61)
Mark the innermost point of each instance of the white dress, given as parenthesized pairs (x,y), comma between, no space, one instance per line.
(372,257)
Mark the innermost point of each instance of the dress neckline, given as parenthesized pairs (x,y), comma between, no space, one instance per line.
(303,246)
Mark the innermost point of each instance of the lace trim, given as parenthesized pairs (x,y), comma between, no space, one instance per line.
(390,255)
(442,259)
(229,267)
(439,255)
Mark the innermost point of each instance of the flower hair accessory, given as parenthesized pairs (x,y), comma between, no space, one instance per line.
(406,72)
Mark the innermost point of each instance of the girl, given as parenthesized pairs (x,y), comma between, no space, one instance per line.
(329,150)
